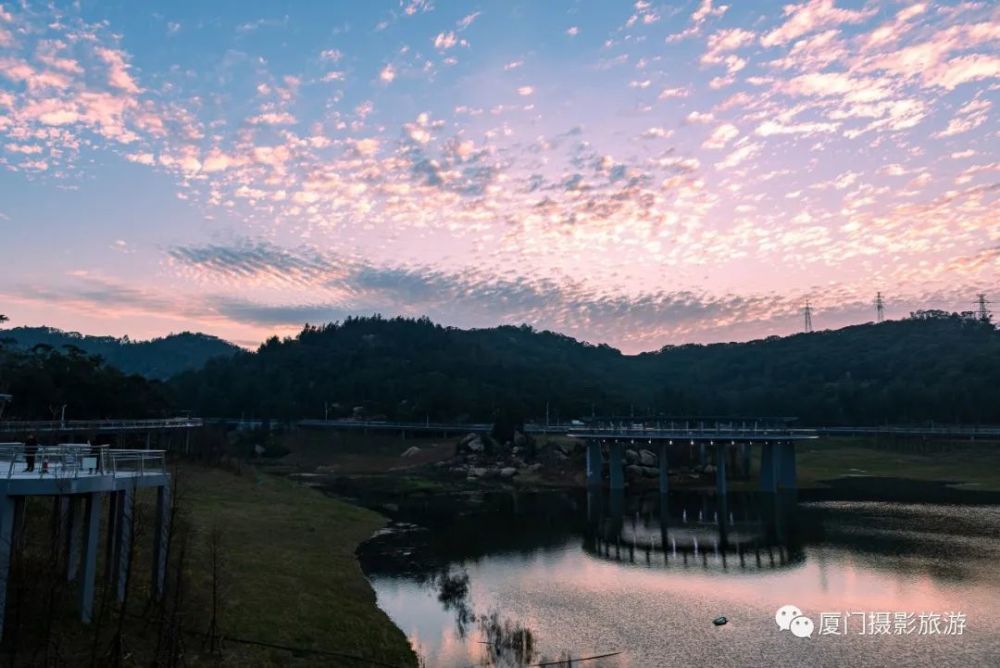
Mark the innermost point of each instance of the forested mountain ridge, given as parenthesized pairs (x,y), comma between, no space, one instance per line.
(157,358)
(932,366)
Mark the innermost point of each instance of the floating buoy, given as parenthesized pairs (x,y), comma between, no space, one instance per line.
(719,621)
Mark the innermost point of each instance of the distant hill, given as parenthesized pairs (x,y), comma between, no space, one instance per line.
(934,366)
(156,358)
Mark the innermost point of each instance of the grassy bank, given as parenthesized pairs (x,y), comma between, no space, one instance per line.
(970,465)
(291,576)
(285,574)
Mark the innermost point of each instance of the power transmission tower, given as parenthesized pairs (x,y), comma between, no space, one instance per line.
(983,308)
(808,313)
(879,308)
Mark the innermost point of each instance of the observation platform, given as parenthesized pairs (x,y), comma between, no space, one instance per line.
(78,476)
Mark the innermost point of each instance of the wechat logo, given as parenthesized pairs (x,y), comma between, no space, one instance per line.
(790,618)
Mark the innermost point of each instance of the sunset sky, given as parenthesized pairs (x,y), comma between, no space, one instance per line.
(639,174)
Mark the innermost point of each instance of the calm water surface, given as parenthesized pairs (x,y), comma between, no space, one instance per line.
(514,578)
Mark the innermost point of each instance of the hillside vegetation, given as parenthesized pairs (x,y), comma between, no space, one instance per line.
(933,366)
(157,358)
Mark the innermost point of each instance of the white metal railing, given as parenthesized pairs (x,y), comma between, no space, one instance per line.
(72,460)
(16,426)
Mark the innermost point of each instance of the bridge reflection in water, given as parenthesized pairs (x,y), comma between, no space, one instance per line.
(744,531)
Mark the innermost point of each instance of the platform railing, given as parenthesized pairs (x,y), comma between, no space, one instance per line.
(134,462)
(78,460)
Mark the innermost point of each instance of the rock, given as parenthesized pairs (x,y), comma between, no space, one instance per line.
(517,450)
(650,471)
(719,621)
(478,472)
(709,468)
(534,468)
(468,438)
(561,456)
(259,450)
(492,473)
(631,457)
(567,447)
(411,451)
(508,472)
(520,440)
(633,471)
(647,458)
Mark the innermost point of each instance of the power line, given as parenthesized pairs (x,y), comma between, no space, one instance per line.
(879,308)
(808,313)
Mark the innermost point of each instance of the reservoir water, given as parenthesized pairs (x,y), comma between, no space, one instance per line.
(519,578)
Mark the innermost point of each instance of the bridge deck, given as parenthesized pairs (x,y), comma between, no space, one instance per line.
(99,426)
(696,435)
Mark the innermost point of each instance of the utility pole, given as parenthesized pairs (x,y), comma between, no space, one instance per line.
(808,313)
(879,308)
(982,308)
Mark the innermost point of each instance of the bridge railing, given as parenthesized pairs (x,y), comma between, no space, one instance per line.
(19,426)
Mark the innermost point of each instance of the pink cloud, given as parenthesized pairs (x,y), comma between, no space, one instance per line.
(810,16)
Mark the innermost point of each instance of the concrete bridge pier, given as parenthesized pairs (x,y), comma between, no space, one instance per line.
(664,512)
(88,559)
(9,509)
(787,477)
(768,468)
(593,463)
(664,482)
(161,539)
(745,462)
(702,454)
(111,537)
(720,469)
(74,537)
(126,518)
(722,510)
(616,469)
(594,507)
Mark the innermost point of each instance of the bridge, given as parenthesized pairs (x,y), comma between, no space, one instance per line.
(718,441)
(165,431)
(79,477)
(724,441)
(625,425)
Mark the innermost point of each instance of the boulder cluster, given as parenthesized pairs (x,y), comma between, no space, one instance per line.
(479,457)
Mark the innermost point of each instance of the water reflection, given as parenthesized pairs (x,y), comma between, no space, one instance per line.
(715,531)
(509,579)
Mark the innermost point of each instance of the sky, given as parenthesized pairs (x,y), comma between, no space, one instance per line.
(633,173)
